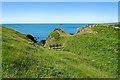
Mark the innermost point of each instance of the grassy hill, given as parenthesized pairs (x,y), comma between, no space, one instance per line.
(57,36)
(0,52)
(96,46)
(85,55)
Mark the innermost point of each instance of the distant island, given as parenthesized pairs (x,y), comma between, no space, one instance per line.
(61,24)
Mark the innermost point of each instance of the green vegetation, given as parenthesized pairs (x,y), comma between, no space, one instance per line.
(92,53)
(100,50)
(0,52)
(55,35)
(96,46)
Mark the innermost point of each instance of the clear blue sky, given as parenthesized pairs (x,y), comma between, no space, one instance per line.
(61,12)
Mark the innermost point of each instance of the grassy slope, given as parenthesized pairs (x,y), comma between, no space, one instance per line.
(59,37)
(0,52)
(97,46)
(20,59)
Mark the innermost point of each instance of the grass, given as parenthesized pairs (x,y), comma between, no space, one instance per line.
(84,55)
(99,52)
(0,52)
(57,36)
(54,34)
(97,46)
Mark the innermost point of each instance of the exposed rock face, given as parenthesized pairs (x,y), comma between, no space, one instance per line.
(42,41)
(31,37)
(84,28)
(71,34)
(77,30)
(57,29)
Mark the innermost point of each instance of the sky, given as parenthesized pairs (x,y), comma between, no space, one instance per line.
(59,12)
(60,0)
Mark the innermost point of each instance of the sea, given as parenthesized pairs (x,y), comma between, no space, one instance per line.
(41,31)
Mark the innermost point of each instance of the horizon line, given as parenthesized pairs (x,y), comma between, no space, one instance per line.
(50,22)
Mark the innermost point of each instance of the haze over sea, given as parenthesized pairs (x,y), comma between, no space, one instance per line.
(42,30)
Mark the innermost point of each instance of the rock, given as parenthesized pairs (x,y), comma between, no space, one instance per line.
(57,29)
(42,41)
(31,37)
(71,34)
(77,30)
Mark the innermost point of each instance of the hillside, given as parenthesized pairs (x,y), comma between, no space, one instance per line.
(0,52)
(57,36)
(97,46)
(85,55)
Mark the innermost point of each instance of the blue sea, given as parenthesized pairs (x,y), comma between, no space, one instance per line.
(42,30)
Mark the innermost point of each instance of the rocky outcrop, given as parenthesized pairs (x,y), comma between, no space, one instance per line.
(57,29)
(85,27)
(114,25)
(71,34)
(31,37)
(42,42)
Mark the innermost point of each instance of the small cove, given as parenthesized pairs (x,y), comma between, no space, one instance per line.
(42,30)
